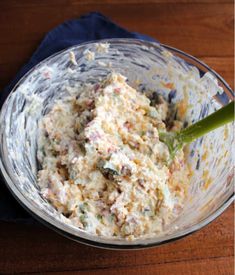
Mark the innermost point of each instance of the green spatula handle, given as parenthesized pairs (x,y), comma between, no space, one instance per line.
(208,124)
(176,141)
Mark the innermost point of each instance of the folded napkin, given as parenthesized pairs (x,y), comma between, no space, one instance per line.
(93,26)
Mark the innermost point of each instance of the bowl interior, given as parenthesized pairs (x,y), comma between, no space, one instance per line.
(145,65)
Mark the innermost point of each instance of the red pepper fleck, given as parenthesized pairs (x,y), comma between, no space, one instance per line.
(126,170)
(89,102)
(109,150)
(141,182)
(117,90)
(128,125)
(47,74)
(96,88)
(168,85)
(134,144)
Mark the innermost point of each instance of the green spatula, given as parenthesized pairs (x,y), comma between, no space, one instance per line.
(177,140)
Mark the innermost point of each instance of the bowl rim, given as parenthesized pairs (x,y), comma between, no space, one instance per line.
(102,242)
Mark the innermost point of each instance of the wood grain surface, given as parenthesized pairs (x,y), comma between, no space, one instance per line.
(204,29)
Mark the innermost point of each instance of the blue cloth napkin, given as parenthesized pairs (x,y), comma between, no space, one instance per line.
(93,26)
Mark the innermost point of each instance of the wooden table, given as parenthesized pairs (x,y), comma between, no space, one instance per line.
(201,28)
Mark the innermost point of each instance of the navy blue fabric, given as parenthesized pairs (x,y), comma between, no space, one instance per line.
(93,26)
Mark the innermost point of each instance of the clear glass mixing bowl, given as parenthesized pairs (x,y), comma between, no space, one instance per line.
(144,64)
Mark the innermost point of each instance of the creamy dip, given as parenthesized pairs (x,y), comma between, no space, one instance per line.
(102,164)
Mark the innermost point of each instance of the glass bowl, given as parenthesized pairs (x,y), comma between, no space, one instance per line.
(144,64)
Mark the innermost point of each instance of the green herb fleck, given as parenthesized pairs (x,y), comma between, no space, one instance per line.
(86,204)
(112,217)
(83,218)
(99,217)
(83,207)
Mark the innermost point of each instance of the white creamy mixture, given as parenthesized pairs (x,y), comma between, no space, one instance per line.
(103,165)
